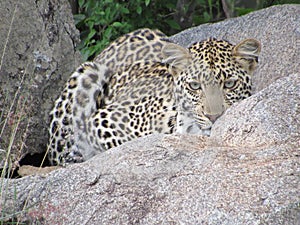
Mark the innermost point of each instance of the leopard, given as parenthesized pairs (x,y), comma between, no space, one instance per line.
(142,84)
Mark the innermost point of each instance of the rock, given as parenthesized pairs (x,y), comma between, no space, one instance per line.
(272,118)
(236,176)
(247,172)
(37,48)
(27,170)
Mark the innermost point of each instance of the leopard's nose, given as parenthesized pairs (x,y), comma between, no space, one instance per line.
(213,118)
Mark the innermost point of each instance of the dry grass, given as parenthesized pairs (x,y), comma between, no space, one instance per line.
(14,120)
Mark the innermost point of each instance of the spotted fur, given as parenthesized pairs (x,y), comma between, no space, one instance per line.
(143,84)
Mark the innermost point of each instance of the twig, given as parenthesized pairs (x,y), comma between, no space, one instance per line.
(226,9)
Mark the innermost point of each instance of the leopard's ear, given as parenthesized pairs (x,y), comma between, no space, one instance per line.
(177,57)
(246,53)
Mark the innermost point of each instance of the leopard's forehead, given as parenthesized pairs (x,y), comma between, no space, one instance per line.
(212,59)
(212,43)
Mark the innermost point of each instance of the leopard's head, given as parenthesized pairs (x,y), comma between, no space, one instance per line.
(209,77)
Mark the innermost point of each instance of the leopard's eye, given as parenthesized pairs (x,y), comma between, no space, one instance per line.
(230,83)
(195,85)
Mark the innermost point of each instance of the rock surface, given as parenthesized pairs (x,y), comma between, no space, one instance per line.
(232,177)
(270,117)
(247,172)
(37,49)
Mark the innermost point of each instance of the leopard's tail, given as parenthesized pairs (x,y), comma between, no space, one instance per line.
(83,94)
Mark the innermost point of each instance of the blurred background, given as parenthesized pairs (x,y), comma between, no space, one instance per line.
(101,22)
